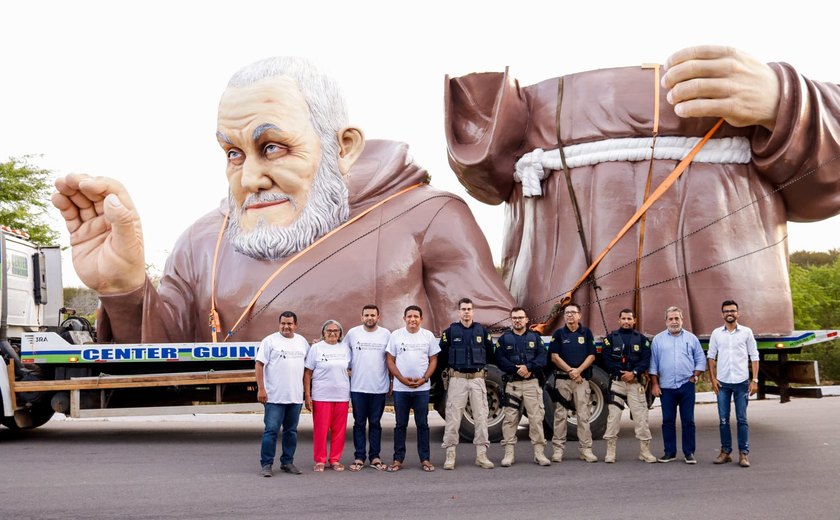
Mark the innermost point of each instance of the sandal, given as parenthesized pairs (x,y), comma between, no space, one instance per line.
(337,466)
(319,467)
(427,466)
(395,466)
(379,465)
(357,465)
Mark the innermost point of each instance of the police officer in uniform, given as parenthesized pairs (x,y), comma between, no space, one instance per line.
(572,352)
(626,357)
(466,347)
(521,355)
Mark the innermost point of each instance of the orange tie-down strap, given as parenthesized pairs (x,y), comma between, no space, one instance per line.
(657,193)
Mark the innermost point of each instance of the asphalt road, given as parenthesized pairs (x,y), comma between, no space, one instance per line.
(207,467)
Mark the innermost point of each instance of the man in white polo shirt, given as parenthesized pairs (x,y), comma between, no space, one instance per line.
(732,349)
(369,385)
(279,372)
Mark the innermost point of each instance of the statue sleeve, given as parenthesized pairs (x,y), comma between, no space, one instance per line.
(486,119)
(150,314)
(804,145)
(457,263)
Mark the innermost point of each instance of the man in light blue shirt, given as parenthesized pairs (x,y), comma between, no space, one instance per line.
(677,360)
(732,349)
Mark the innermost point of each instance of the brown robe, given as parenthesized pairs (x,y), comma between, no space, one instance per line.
(431,254)
(491,121)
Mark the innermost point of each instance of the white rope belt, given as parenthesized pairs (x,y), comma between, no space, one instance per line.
(536,165)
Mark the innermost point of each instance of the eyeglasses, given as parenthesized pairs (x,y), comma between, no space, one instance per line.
(571,313)
(332,331)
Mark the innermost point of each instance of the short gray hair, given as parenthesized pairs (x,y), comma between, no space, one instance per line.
(327,108)
(332,322)
(671,309)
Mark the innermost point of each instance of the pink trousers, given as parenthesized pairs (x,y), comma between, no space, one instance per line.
(330,416)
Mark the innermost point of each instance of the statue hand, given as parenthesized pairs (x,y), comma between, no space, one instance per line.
(105,233)
(714,81)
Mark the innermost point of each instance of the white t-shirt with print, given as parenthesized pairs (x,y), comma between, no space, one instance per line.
(329,364)
(412,352)
(367,359)
(283,359)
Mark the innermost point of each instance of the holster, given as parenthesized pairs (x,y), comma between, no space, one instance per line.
(556,396)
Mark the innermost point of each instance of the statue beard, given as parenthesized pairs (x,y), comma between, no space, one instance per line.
(327,208)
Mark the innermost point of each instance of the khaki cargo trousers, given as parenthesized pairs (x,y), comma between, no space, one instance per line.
(581,395)
(459,392)
(530,395)
(635,393)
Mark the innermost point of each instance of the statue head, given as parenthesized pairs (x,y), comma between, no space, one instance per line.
(284,129)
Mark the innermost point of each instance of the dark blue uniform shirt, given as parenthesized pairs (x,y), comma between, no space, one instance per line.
(526,349)
(573,347)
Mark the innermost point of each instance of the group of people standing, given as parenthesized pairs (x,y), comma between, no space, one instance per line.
(367,363)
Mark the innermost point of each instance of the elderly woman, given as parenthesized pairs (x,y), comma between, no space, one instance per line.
(326,389)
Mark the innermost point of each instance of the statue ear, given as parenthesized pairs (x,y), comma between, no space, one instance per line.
(351,142)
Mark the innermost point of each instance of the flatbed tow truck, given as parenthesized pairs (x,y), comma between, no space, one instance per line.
(51,362)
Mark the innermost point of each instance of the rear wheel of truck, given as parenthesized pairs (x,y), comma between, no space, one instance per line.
(37,408)
(493,382)
(31,418)
(599,385)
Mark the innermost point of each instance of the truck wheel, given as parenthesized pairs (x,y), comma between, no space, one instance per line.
(38,408)
(35,416)
(495,414)
(599,385)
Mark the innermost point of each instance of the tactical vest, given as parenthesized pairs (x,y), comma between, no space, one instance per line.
(625,355)
(520,356)
(467,348)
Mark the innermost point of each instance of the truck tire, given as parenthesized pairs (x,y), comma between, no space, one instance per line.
(599,386)
(37,415)
(38,408)
(495,414)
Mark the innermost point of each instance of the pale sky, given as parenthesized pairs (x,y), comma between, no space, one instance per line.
(130,89)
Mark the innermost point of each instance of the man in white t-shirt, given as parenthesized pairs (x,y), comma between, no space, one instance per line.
(279,372)
(369,385)
(412,358)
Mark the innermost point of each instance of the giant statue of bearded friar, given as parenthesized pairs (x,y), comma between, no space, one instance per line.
(719,232)
(297,173)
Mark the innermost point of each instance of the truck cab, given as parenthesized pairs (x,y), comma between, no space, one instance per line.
(31,300)
(31,293)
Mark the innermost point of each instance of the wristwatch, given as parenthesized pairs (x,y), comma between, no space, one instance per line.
(755,381)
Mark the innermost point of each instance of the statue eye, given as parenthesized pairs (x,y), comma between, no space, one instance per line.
(235,156)
(273,150)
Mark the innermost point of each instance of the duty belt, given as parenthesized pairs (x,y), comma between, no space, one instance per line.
(516,378)
(466,375)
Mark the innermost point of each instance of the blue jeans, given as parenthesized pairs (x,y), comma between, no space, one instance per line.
(277,414)
(671,399)
(367,410)
(740,393)
(403,403)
